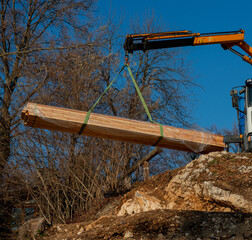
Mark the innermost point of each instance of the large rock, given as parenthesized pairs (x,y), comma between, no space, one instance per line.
(214,182)
(32,228)
(141,202)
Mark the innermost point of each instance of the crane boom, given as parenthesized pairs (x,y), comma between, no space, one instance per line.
(144,42)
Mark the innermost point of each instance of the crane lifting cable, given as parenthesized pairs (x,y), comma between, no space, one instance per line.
(139,94)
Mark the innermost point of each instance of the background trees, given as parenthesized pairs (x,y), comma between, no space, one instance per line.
(52,53)
(30,31)
(28,28)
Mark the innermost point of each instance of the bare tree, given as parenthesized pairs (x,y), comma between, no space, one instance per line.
(65,170)
(28,28)
(30,32)
(66,173)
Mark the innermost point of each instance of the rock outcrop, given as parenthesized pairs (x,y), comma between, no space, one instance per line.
(210,198)
(141,202)
(214,182)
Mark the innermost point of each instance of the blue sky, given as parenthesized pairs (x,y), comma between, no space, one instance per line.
(216,70)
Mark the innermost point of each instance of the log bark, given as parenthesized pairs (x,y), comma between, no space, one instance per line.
(121,129)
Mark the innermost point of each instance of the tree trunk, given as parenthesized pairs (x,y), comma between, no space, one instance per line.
(5,206)
(5,135)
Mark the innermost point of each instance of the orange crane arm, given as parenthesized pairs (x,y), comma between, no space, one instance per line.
(150,41)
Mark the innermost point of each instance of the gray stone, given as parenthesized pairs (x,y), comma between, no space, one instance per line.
(161,237)
(31,228)
(128,234)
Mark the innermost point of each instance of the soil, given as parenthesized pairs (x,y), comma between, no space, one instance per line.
(161,224)
(231,172)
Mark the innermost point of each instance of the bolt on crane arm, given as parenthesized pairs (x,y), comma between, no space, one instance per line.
(150,41)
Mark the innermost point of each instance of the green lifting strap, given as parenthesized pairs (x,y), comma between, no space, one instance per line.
(140,96)
(145,106)
(98,100)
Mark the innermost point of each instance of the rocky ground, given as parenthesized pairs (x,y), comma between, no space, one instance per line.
(210,198)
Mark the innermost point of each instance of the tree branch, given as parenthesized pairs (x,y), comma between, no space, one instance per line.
(148,157)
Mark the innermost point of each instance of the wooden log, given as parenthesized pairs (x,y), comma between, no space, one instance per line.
(146,171)
(115,128)
(154,152)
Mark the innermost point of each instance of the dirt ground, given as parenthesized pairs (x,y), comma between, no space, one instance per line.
(231,172)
